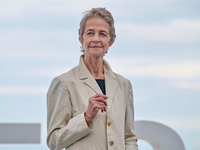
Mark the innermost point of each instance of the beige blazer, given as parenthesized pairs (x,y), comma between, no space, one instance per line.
(67,100)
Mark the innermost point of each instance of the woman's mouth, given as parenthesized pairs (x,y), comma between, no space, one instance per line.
(95,46)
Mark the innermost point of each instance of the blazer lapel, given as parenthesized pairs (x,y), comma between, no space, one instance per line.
(93,85)
(87,78)
(111,84)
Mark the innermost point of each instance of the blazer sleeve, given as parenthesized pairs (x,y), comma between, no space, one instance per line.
(62,129)
(130,137)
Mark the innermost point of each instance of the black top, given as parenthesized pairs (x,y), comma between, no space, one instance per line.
(102,86)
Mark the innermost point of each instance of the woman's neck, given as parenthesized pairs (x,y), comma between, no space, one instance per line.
(95,66)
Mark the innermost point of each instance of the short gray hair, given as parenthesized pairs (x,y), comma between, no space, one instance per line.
(93,13)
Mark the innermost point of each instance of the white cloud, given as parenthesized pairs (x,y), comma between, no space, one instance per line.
(38,44)
(13,10)
(42,73)
(186,85)
(24,35)
(144,67)
(38,54)
(13,90)
(176,30)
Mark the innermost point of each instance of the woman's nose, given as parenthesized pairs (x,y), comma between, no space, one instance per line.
(96,38)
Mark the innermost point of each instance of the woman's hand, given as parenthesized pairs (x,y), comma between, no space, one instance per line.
(96,103)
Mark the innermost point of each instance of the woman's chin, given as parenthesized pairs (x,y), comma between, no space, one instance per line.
(96,53)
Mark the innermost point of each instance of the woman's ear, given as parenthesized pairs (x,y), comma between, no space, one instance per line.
(80,40)
(111,43)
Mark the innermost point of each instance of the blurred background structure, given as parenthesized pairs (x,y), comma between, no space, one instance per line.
(157,47)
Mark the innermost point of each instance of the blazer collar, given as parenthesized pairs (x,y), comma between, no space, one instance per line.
(110,80)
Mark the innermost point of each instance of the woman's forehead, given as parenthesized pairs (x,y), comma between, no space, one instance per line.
(97,23)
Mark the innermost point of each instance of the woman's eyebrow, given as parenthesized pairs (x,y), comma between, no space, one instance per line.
(89,30)
(104,31)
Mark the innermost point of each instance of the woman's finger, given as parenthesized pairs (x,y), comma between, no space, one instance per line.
(97,99)
(100,95)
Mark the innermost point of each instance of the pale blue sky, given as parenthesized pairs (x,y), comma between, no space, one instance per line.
(157,48)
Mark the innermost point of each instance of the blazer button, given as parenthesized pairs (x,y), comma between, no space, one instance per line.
(111,143)
(109,123)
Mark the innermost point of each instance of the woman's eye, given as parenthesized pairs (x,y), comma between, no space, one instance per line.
(89,33)
(103,34)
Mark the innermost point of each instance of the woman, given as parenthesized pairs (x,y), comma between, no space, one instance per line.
(90,107)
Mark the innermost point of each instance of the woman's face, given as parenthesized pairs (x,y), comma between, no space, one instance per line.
(96,37)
